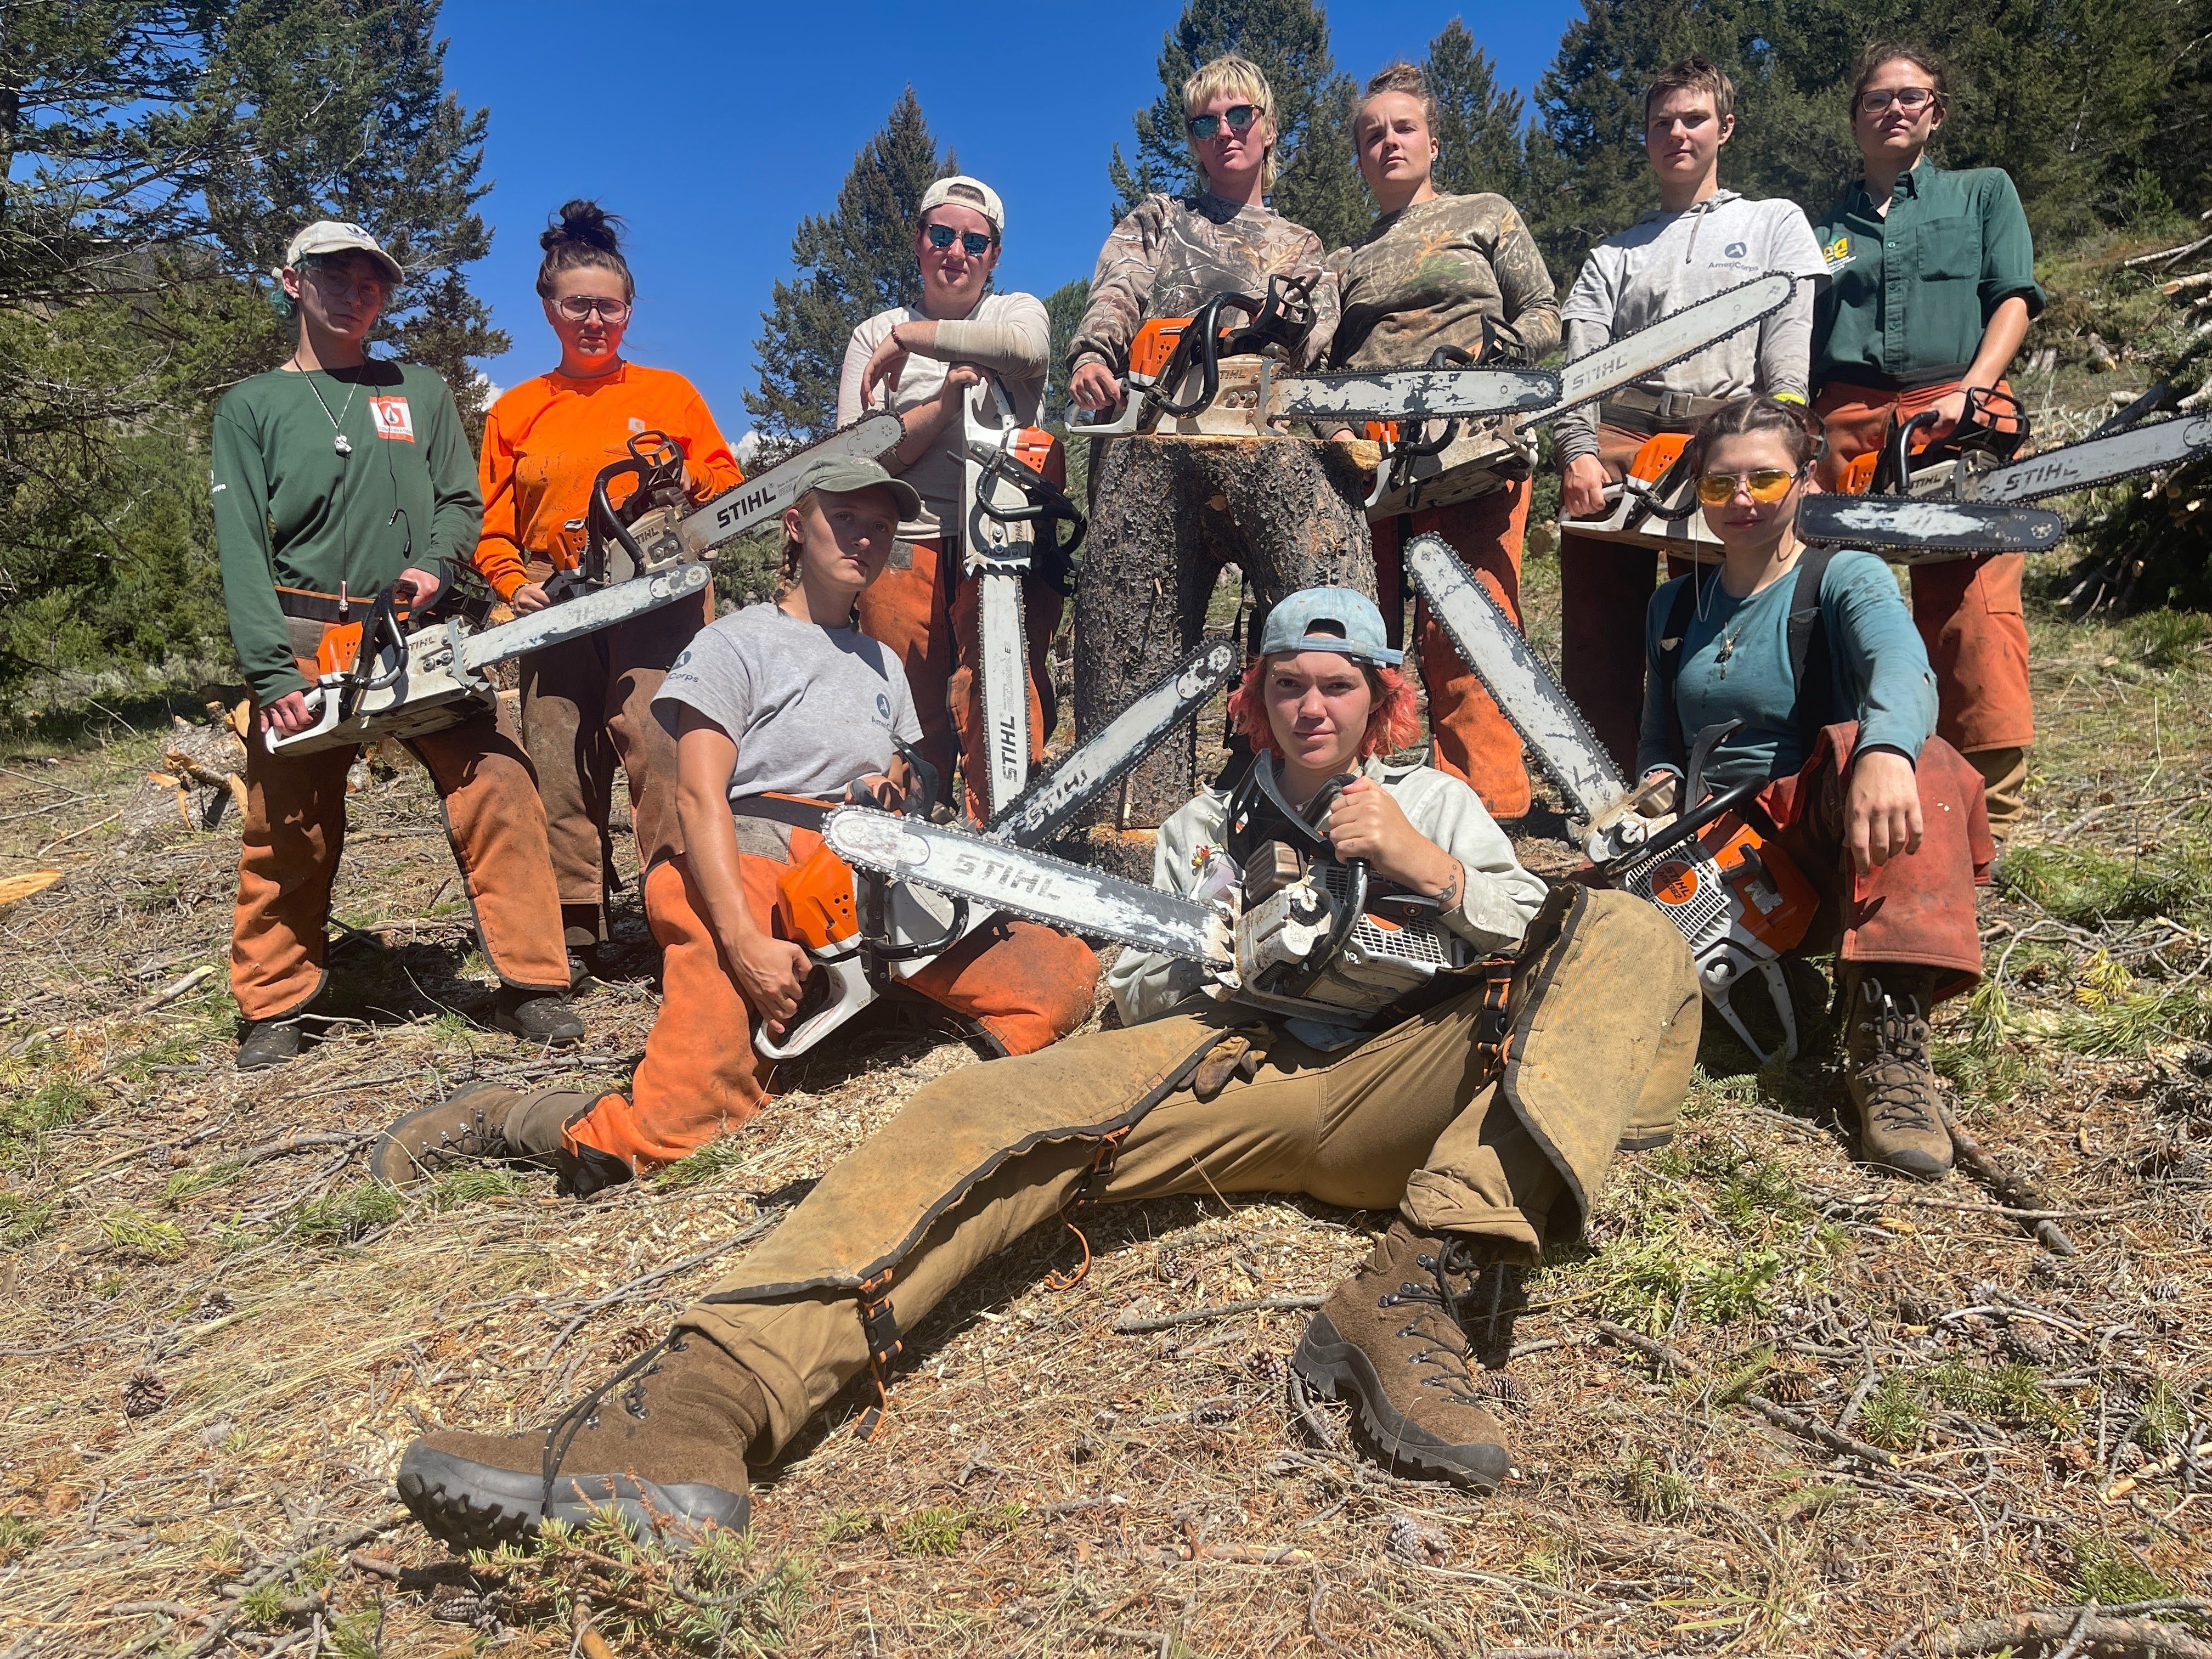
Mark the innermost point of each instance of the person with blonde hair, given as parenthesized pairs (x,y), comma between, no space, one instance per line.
(1443,270)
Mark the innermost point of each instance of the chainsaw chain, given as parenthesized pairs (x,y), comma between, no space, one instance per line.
(1710,341)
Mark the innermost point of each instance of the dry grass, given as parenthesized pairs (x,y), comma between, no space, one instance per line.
(1045,1484)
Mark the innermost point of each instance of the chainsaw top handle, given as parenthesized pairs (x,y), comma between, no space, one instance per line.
(656,462)
(1046,502)
(381,631)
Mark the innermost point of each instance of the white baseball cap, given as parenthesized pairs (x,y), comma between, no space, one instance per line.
(963,191)
(339,236)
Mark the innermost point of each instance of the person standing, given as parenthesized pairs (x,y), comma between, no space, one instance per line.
(920,362)
(1932,288)
(325,472)
(1436,270)
(1703,240)
(587,703)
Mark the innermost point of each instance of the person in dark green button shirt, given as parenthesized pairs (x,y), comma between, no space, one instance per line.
(335,478)
(1932,287)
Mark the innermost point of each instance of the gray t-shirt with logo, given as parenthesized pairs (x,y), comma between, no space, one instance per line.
(1666,261)
(811,708)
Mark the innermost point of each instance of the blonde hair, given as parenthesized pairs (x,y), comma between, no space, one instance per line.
(1401,76)
(1240,76)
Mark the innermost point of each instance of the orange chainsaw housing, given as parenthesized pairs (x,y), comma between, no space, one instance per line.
(1658,452)
(814,898)
(1156,343)
(1039,450)
(1858,474)
(1762,892)
(339,647)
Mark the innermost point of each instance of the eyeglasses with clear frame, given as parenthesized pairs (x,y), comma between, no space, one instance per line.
(579,308)
(1910,100)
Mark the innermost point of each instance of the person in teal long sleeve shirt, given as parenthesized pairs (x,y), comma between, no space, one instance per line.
(1884,819)
(336,477)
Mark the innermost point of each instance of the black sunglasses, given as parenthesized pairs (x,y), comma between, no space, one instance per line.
(973,243)
(1240,117)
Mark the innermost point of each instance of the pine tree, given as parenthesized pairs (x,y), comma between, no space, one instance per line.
(852,263)
(1063,310)
(1478,124)
(1315,184)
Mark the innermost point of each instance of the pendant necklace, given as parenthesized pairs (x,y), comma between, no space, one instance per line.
(339,442)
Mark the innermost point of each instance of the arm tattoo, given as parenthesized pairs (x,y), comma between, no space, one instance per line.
(1448,898)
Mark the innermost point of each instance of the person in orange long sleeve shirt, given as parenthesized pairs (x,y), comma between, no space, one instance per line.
(587,704)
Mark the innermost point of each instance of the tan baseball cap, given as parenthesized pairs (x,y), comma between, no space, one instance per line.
(339,236)
(961,190)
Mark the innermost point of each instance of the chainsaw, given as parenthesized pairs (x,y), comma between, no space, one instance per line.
(1013,478)
(1294,931)
(1438,463)
(1958,495)
(376,678)
(865,928)
(1205,375)
(1713,869)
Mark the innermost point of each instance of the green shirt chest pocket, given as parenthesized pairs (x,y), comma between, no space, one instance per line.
(1949,249)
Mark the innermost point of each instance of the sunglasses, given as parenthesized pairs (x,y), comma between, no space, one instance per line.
(973,243)
(1240,117)
(580,307)
(1909,99)
(1766,485)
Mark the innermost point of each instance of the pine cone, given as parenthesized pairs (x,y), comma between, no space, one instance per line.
(1503,1388)
(1789,1386)
(631,1343)
(214,1305)
(144,1395)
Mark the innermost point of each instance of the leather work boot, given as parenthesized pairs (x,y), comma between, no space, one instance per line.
(662,1444)
(267,1043)
(537,1017)
(1893,1086)
(485,1122)
(1388,1339)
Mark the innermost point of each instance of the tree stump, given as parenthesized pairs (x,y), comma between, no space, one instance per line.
(1167,514)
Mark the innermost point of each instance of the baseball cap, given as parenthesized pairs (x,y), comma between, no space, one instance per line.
(843,475)
(1358,625)
(339,236)
(962,191)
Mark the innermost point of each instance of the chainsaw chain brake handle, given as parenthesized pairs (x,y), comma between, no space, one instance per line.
(1283,319)
(1046,501)
(657,463)
(1992,424)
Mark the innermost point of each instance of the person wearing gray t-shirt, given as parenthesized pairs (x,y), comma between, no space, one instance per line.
(1703,240)
(779,712)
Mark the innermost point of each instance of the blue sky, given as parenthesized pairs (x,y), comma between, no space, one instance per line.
(714,128)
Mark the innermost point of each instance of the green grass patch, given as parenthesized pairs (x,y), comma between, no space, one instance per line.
(1893,1415)
(26,1120)
(137,1238)
(18,1537)
(2165,1418)
(1650,1279)
(2109,1573)
(2087,888)
(2165,640)
(1654,1491)
(25,1219)
(344,1216)
(723,1155)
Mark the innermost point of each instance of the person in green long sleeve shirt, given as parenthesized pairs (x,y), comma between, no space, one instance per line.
(336,478)
(1931,289)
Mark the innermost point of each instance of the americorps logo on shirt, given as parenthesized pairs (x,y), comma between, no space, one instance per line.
(883,707)
(392,417)
(1839,252)
(1736,250)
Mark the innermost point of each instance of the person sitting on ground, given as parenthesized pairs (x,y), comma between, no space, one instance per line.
(780,710)
(920,362)
(1884,819)
(1483,1160)
(587,703)
(325,472)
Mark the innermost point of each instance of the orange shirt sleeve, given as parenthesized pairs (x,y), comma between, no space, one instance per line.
(499,545)
(713,468)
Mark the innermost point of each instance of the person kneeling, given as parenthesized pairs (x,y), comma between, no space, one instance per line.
(1885,819)
(1486,1115)
(780,711)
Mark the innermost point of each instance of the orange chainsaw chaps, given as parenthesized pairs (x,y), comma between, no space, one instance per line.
(1154,344)
(814,898)
(1658,452)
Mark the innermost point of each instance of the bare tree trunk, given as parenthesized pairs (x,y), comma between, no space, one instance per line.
(1167,515)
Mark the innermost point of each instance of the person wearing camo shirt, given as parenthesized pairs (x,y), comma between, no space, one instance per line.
(1437,270)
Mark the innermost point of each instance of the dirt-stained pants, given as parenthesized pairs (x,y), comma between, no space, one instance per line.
(1967,611)
(1604,589)
(1918,908)
(294,830)
(587,708)
(932,618)
(1472,740)
(1414,1118)
(1026,986)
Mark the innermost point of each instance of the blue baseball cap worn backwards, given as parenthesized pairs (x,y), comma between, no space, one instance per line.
(1357,632)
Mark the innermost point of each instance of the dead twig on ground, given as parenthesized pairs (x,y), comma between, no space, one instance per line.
(1126,1325)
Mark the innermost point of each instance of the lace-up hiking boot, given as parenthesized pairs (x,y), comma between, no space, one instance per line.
(1893,1086)
(266,1043)
(485,1123)
(662,1445)
(1389,1339)
(537,1017)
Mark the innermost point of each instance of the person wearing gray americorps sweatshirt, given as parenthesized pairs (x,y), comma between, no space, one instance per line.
(1702,241)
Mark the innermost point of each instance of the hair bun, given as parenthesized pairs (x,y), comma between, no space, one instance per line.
(586,224)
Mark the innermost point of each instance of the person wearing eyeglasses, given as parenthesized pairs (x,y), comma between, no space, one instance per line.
(1702,241)
(336,479)
(1438,270)
(918,361)
(1932,289)
(1883,818)
(587,703)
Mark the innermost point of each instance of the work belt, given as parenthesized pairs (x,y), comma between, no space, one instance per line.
(762,818)
(306,605)
(1858,379)
(1650,413)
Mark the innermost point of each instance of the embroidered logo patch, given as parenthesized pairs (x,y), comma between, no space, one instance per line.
(393,418)
(635,424)
(1839,252)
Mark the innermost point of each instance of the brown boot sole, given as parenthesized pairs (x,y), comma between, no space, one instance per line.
(1343,1370)
(467,1505)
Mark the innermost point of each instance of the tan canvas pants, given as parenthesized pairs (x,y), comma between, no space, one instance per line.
(1419,1117)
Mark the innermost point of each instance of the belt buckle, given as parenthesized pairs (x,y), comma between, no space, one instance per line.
(1670,401)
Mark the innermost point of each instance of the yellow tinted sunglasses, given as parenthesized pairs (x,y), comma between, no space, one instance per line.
(1766,484)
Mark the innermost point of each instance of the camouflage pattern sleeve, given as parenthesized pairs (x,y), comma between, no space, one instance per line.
(1532,306)
(1311,260)
(1121,286)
